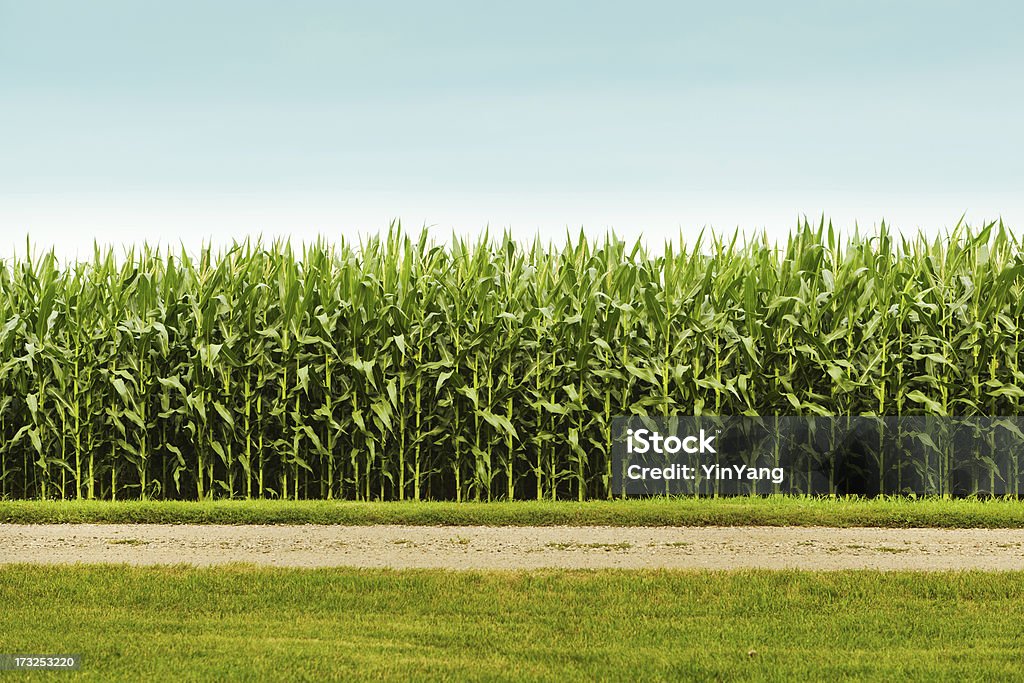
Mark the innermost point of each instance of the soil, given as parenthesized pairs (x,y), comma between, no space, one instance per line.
(488,548)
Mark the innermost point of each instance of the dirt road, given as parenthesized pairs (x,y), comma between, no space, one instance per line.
(518,547)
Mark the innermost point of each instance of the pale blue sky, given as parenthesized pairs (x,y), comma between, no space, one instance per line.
(132,119)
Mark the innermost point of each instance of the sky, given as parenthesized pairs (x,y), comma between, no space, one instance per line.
(129,121)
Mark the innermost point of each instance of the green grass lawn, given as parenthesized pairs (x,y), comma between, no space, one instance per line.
(241,623)
(771,511)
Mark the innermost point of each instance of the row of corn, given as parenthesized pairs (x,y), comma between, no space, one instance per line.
(401,368)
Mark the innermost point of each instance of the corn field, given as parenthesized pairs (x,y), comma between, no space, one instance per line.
(398,368)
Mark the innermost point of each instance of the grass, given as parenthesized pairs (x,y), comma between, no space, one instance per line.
(590,546)
(771,511)
(242,623)
(127,541)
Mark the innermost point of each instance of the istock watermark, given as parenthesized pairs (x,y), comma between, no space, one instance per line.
(25,662)
(645,441)
(817,455)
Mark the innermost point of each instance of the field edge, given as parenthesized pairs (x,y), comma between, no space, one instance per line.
(890,512)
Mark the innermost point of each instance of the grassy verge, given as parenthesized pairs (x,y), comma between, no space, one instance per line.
(241,623)
(774,511)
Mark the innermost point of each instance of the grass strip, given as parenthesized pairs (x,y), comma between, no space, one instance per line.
(242,623)
(770,511)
